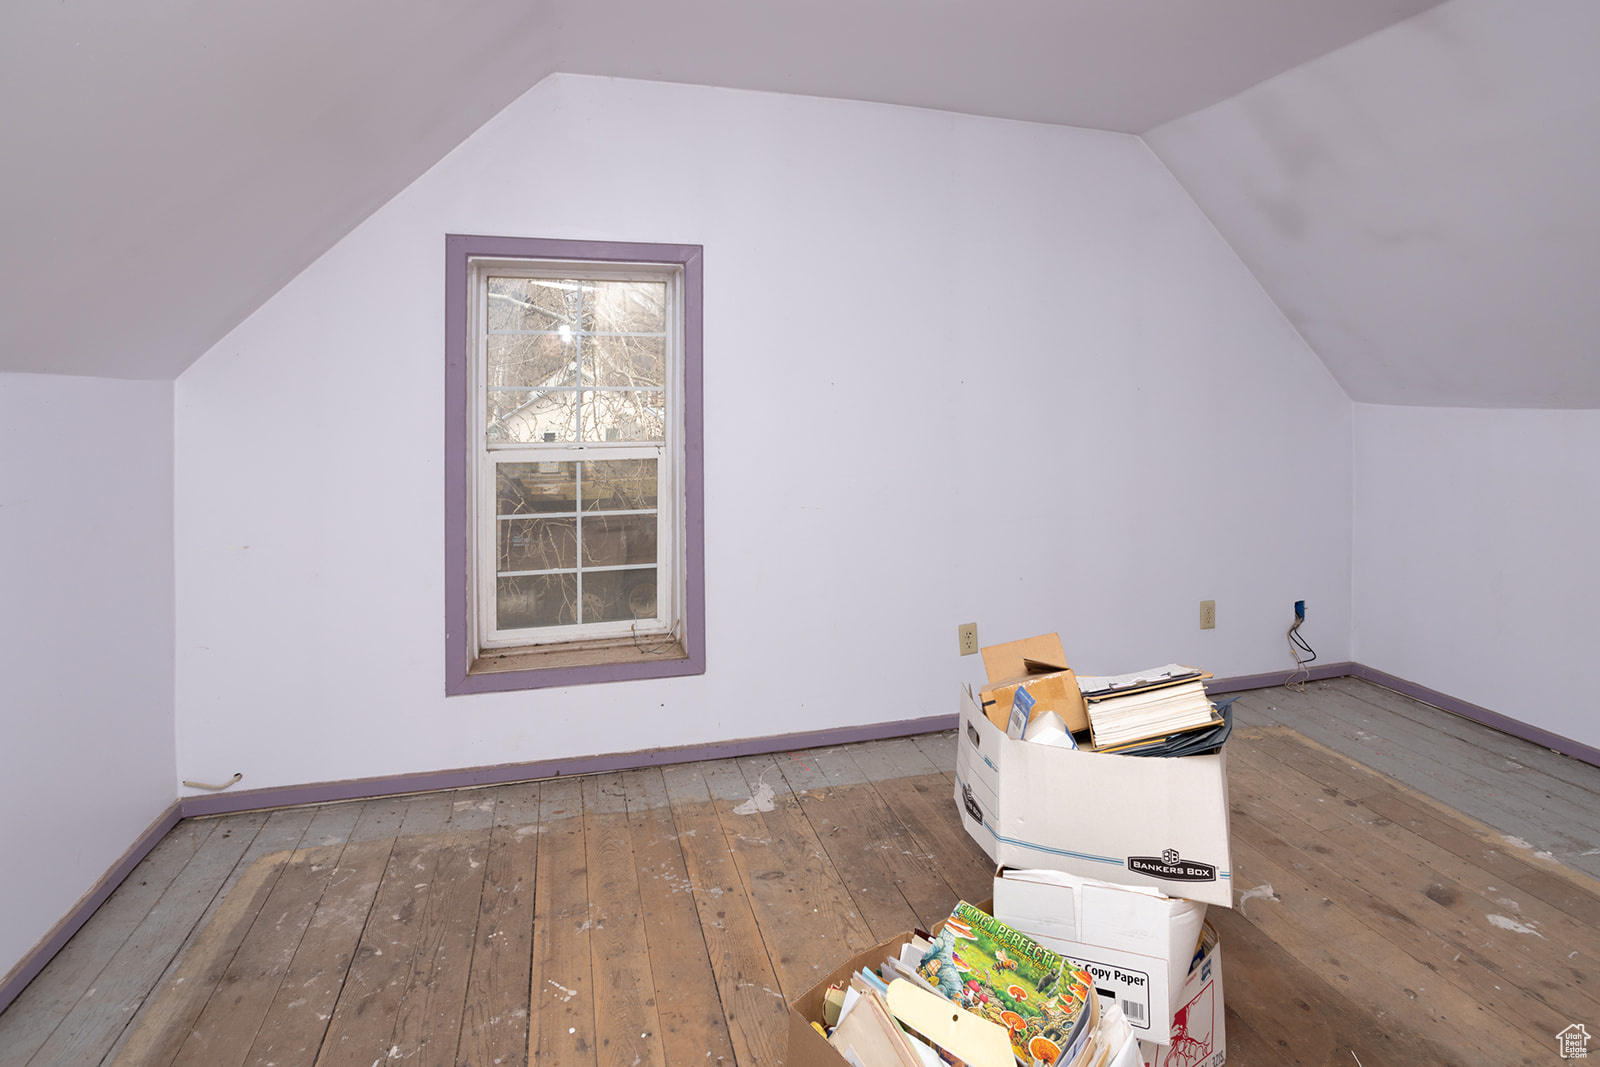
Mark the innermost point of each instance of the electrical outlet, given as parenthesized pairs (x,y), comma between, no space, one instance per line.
(1208,614)
(969,638)
(1300,610)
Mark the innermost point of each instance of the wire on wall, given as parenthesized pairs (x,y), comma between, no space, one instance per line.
(214,788)
(1297,645)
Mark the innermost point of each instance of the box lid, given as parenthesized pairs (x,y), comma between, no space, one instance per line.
(1032,655)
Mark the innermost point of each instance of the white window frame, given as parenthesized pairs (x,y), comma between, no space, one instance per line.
(668,455)
(481,657)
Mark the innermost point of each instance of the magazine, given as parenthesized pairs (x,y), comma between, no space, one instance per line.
(1041,998)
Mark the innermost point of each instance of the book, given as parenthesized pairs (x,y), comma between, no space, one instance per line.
(1189,743)
(1142,714)
(1093,686)
(992,970)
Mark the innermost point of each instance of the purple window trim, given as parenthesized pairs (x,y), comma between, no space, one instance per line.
(459,461)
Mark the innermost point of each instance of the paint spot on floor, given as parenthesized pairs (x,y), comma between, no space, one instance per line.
(1263,892)
(760,800)
(1506,923)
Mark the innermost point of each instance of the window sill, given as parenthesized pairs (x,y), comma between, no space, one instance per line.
(623,650)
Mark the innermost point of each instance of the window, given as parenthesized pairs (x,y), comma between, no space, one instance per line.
(574,539)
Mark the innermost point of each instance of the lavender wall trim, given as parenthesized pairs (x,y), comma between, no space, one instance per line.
(363,788)
(30,965)
(366,788)
(459,249)
(1241,682)
(1505,724)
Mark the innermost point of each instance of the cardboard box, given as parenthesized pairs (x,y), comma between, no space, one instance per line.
(1199,1034)
(1137,943)
(1038,665)
(807,1048)
(1134,820)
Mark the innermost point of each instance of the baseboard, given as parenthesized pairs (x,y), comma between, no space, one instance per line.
(1241,682)
(499,774)
(30,965)
(1504,723)
(17,979)
(1443,701)
(391,785)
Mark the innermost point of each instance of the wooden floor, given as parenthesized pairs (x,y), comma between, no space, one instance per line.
(1409,890)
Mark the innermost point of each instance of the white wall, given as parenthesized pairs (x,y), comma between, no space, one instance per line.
(1475,574)
(86,637)
(956,369)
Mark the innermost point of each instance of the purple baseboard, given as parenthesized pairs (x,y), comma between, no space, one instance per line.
(1241,682)
(364,788)
(1506,725)
(17,979)
(499,774)
(1443,701)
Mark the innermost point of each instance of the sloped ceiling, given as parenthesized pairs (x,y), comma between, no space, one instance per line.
(1424,205)
(1411,192)
(170,164)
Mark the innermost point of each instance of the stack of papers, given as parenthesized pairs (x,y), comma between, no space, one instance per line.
(1092,686)
(1154,710)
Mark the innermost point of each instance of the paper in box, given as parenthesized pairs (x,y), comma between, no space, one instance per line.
(1136,942)
(1134,820)
(808,1048)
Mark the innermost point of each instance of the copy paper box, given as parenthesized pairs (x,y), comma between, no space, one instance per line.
(1137,943)
(1198,1034)
(1038,665)
(1134,820)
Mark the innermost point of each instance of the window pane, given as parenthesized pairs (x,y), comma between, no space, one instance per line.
(530,360)
(523,416)
(633,362)
(529,488)
(612,540)
(538,544)
(536,600)
(623,415)
(625,307)
(533,304)
(619,485)
(609,596)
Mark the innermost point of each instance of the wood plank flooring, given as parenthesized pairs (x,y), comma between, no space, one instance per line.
(1410,889)
(1538,798)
